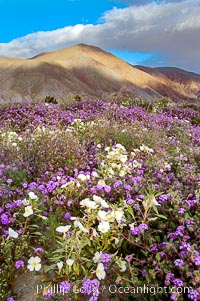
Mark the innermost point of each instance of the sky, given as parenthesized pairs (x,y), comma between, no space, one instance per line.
(145,32)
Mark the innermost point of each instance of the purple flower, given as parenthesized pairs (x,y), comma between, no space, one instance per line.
(9,181)
(194,295)
(19,264)
(162,199)
(179,262)
(143,226)
(107,189)
(173,297)
(129,258)
(168,278)
(90,287)
(127,187)
(181,211)
(177,282)
(105,258)
(17,203)
(190,222)
(130,201)
(197,260)
(117,184)
(180,228)
(39,250)
(24,185)
(4,219)
(191,203)
(48,295)
(10,299)
(144,273)
(135,231)
(185,246)
(32,186)
(67,216)
(154,249)
(65,287)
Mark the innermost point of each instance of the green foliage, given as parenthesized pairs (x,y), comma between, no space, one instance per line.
(50,99)
(77,98)
(195,121)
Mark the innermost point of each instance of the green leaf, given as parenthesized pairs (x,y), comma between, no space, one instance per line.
(76,268)
(49,268)
(161,216)
(158,256)
(155,209)
(130,210)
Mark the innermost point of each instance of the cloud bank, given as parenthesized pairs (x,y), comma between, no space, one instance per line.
(170,28)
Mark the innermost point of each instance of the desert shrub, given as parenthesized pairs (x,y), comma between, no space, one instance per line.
(50,99)
(195,121)
(43,149)
(77,98)
(155,105)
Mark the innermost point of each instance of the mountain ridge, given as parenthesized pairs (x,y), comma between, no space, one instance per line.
(90,71)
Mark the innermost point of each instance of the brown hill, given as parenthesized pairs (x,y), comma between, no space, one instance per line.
(88,70)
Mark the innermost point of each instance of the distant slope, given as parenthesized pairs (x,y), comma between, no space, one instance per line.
(88,70)
(186,80)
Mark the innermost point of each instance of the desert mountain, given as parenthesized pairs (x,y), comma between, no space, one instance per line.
(88,70)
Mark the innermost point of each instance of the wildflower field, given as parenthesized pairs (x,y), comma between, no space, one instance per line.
(99,199)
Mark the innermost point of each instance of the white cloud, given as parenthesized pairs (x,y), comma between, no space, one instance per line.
(171,28)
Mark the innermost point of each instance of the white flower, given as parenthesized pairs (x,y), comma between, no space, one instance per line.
(100,201)
(119,146)
(100,272)
(60,265)
(32,195)
(104,204)
(104,227)
(81,227)
(95,174)
(28,211)
(12,233)
(88,203)
(97,257)
(101,182)
(110,218)
(146,149)
(122,265)
(69,262)
(34,264)
(83,178)
(117,214)
(102,215)
(67,184)
(26,202)
(122,173)
(63,229)
(150,201)
(123,158)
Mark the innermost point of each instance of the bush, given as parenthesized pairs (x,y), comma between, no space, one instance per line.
(195,121)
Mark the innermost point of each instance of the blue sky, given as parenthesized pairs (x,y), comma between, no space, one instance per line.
(20,17)
(152,33)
